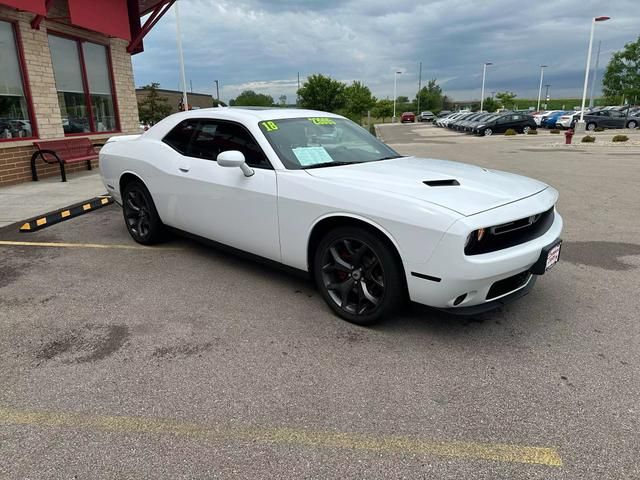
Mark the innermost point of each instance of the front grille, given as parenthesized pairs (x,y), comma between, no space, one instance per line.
(513,233)
(506,285)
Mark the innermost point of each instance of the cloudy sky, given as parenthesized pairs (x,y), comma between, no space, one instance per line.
(263,44)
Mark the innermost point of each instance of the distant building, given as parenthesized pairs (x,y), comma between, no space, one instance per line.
(66,72)
(174,98)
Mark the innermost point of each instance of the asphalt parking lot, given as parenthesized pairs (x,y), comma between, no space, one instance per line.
(181,361)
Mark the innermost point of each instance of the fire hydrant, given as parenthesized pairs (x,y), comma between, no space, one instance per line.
(568,135)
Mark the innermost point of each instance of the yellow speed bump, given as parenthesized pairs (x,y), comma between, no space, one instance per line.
(66,213)
(385,444)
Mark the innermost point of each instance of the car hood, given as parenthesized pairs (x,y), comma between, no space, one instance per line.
(478,189)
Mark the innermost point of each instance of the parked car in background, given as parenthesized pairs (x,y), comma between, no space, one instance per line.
(427,116)
(609,119)
(537,117)
(485,117)
(444,121)
(549,121)
(568,120)
(408,117)
(501,123)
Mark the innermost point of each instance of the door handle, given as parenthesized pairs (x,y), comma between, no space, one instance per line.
(184,170)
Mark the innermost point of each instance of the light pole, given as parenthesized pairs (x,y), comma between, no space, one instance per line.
(395,85)
(217,93)
(580,124)
(484,74)
(185,100)
(546,95)
(595,74)
(542,67)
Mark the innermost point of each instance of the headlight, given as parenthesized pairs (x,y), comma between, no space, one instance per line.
(475,237)
(480,126)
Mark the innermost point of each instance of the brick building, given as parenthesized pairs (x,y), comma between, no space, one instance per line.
(65,70)
(174,99)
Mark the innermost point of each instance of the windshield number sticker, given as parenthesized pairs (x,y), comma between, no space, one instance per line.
(322,121)
(270,126)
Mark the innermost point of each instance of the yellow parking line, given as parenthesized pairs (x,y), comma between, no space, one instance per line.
(83,245)
(278,435)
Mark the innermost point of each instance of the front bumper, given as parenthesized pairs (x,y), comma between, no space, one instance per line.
(449,274)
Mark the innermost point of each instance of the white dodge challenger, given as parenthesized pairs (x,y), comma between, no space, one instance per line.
(314,191)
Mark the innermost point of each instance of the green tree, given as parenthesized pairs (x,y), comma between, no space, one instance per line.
(153,107)
(621,80)
(249,98)
(506,98)
(490,105)
(430,97)
(382,109)
(447,103)
(358,100)
(321,92)
(283,100)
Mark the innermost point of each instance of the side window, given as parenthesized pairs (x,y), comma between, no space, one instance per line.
(504,119)
(516,117)
(180,136)
(230,136)
(203,144)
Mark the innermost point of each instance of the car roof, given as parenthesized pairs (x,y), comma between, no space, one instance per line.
(241,114)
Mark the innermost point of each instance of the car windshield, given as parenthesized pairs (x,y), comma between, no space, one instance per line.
(303,143)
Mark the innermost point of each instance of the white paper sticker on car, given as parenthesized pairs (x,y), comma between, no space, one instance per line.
(312,155)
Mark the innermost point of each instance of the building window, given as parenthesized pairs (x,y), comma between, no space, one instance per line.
(83,81)
(15,120)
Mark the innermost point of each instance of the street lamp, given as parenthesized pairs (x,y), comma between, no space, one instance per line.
(484,74)
(580,124)
(546,96)
(395,84)
(542,67)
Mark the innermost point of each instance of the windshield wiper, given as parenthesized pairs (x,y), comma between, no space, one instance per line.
(329,164)
(390,157)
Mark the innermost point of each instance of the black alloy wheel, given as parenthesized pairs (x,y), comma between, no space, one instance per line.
(358,275)
(140,214)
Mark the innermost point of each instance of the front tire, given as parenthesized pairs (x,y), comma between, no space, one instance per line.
(358,275)
(632,124)
(526,129)
(487,132)
(140,214)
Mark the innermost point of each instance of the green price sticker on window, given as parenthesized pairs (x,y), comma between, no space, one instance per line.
(322,121)
(270,126)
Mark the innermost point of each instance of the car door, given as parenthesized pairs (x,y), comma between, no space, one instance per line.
(221,203)
(616,119)
(502,124)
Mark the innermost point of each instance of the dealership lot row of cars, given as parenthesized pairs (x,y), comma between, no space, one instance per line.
(485,124)
(603,117)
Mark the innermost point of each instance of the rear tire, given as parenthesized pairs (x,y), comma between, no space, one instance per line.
(591,126)
(358,275)
(526,129)
(140,214)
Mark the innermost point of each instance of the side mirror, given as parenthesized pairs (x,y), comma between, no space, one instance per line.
(234,158)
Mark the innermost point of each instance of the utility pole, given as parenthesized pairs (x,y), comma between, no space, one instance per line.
(595,74)
(297,95)
(217,92)
(419,88)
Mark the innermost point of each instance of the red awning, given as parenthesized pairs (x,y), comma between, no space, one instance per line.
(34,6)
(110,17)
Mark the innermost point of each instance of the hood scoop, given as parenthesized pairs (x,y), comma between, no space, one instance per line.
(442,183)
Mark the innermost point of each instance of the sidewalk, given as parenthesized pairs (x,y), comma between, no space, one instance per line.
(26,200)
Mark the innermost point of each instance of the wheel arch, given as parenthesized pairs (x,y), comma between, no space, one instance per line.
(129,176)
(328,222)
